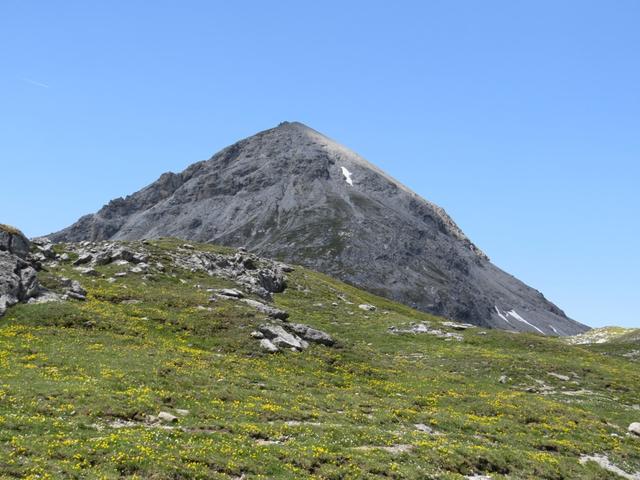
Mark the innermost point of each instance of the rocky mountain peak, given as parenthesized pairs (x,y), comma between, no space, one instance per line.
(294,194)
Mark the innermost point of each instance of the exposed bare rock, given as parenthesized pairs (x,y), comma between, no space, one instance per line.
(259,276)
(458,326)
(367,307)
(281,338)
(46,297)
(18,278)
(83,258)
(296,336)
(228,292)
(73,289)
(268,346)
(421,427)
(425,328)
(13,241)
(268,310)
(292,193)
(310,334)
(167,417)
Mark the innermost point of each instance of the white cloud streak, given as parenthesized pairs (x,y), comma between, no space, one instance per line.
(37,84)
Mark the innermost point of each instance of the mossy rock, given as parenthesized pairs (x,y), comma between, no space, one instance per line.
(10,230)
(13,241)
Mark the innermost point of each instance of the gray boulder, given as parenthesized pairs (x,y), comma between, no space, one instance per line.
(46,296)
(268,346)
(273,281)
(45,248)
(83,258)
(103,258)
(18,279)
(228,292)
(123,254)
(425,327)
(167,417)
(367,307)
(310,334)
(272,312)
(13,241)
(29,285)
(281,338)
(10,286)
(458,326)
(73,289)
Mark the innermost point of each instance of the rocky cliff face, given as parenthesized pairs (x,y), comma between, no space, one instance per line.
(292,193)
(18,279)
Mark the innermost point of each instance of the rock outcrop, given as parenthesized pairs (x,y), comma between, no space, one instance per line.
(260,276)
(294,336)
(18,278)
(293,194)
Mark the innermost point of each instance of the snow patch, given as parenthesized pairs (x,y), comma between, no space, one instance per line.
(515,315)
(347,176)
(501,315)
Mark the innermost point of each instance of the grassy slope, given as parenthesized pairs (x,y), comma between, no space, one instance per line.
(64,381)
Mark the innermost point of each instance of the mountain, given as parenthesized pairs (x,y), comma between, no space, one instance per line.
(292,193)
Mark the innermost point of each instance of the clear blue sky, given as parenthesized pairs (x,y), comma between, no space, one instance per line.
(521,119)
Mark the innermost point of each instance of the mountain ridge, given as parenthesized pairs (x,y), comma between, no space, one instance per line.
(294,194)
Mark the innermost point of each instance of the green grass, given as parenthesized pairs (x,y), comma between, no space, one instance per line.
(9,229)
(70,370)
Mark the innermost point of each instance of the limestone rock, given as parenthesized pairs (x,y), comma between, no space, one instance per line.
(425,327)
(229,292)
(458,326)
(310,334)
(166,417)
(268,346)
(46,297)
(421,427)
(73,289)
(83,258)
(272,312)
(18,278)
(367,307)
(13,241)
(281,338)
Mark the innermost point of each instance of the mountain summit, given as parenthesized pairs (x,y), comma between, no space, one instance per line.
(292,193)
